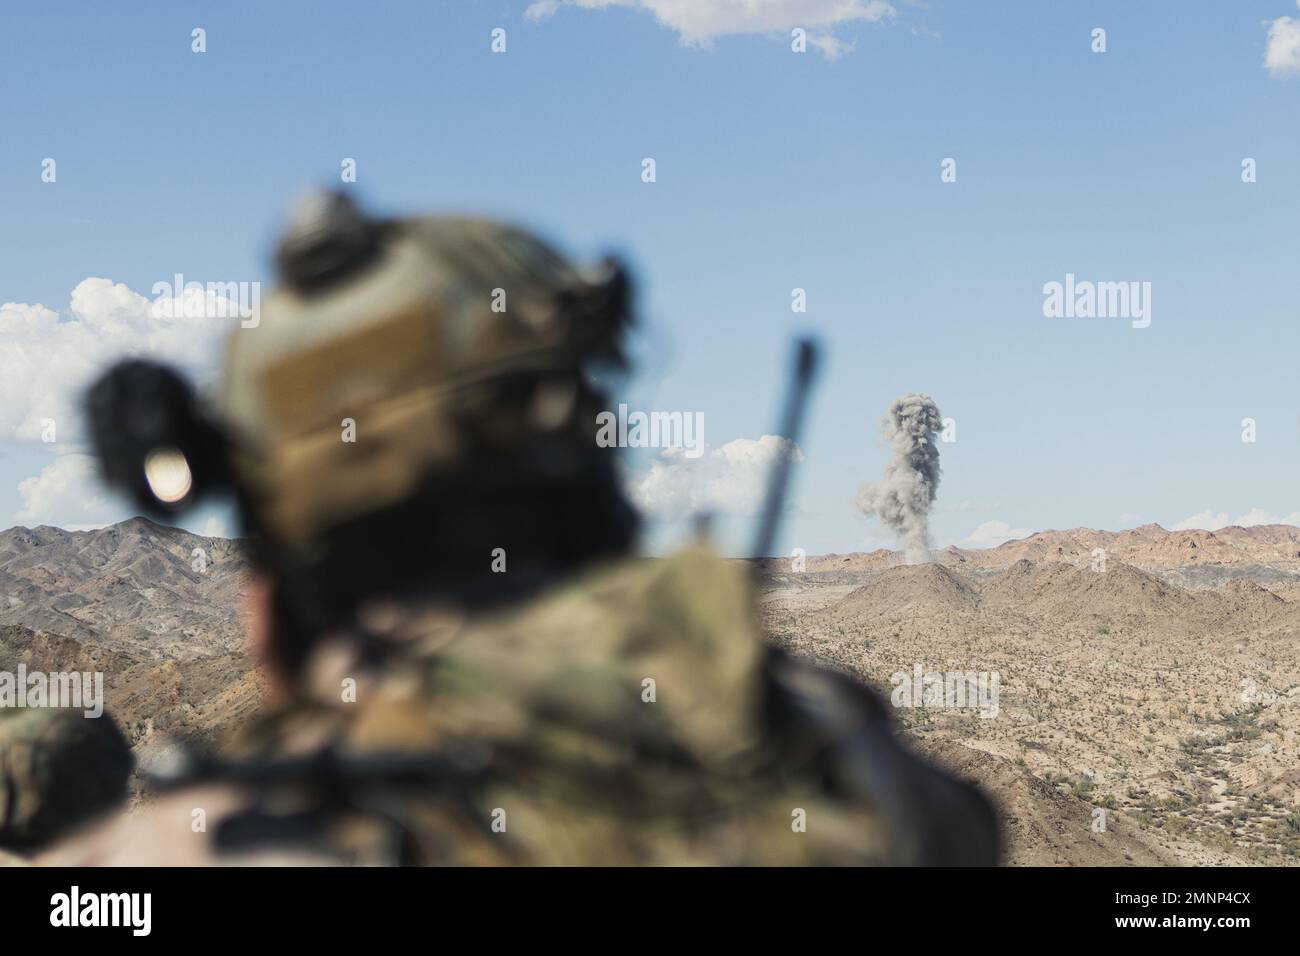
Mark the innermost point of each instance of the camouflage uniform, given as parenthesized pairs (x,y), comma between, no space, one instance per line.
(624,711)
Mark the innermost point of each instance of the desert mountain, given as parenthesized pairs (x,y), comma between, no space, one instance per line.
(1066,592)
(1149,547)
(1061,592)
(1170,713)
(916,589)
(155,609)
(140,587)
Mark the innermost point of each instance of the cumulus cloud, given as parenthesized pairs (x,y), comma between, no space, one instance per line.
(1259,516)
(699,22)
(1206,520)
(730,479)
(1209,520)
(993,533)
(829,46)
(67,493)
(47,359)
(1282,58)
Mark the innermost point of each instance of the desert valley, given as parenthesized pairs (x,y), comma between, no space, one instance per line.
(1149,681)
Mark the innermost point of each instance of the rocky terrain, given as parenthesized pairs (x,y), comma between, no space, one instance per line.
(137,586)
(151,698)
(1147,711)
(154,608)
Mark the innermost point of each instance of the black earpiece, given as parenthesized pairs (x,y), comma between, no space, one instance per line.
(152,439)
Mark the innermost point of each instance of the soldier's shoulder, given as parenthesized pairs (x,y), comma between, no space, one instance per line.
(678,632)
(693,604)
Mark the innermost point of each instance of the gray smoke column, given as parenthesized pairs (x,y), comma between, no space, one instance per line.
(903,497)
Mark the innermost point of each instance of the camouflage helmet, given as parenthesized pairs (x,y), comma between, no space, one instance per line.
(57,769)
(386,353)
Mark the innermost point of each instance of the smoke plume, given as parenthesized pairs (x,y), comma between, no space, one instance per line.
(903,497)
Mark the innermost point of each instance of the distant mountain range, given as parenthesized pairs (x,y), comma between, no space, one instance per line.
(1065,594)
(1174,709)
(1149,546)
(137,586)
(155,609)
(155,591)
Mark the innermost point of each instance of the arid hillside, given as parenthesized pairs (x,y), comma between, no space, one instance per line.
(137,586)
(155,609)
(1136,720)
(151,698)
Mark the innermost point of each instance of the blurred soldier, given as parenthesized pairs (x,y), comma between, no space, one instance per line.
(58,768)
(470,665)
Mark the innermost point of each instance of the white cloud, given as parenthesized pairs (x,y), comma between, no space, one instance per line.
(1259,516)
(699,22)
(47,359)
(731,479)
(1208,520)
(67,493)
(1283,55)
(993,533)
(542,9)
(831,47)
(214,527)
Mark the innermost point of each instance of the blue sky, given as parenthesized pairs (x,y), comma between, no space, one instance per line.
(775,170)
